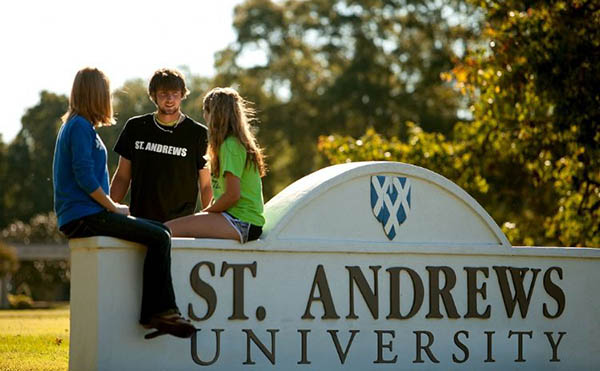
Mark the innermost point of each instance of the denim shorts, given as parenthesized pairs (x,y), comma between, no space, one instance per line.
(246,231)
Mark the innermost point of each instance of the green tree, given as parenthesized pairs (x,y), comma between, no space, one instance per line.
(42,228)
(531,153)
(8,265)
(4,217)
(27,188)
(198,86)
(341,66)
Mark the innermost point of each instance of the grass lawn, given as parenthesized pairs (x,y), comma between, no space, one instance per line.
(34,340)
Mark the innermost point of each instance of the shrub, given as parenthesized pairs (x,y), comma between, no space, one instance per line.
(20,301)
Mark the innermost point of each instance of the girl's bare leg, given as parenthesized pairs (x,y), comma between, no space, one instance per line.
(203,225)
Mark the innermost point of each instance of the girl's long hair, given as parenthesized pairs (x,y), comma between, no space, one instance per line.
(230,115)
(90,98)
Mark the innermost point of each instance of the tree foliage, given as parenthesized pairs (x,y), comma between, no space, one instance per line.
(27,178)
(9,261)
(9,264)
(316,67)
(329,67)
(4,217)
(531,153)
(42,228)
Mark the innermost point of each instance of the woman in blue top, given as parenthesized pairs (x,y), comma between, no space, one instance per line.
(84,208)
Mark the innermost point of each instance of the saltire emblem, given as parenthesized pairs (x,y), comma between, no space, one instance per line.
(390,202)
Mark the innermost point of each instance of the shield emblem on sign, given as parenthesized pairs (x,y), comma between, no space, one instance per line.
(390,202)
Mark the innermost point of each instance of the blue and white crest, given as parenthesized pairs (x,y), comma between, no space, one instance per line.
(390,201)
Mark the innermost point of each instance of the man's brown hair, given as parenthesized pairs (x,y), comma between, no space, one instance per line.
(90,98)
(167,79)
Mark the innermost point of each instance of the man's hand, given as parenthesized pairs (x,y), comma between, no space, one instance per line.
(121,180)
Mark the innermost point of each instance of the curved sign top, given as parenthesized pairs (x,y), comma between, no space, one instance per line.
(380,202)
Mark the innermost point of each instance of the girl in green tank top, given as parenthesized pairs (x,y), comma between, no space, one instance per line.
(236,165)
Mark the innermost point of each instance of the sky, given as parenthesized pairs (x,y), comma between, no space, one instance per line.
(45,43)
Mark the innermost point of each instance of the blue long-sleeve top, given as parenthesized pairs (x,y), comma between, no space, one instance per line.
(79,168)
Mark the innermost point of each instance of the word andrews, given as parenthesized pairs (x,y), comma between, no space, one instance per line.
(160,148)
(514,285)
(510,280)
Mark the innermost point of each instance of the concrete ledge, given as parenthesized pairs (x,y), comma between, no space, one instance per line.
(346,247)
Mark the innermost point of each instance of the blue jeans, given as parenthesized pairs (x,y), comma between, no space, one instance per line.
(158,296)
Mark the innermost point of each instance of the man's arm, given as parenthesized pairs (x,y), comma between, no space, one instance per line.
(121,180)
(205,187)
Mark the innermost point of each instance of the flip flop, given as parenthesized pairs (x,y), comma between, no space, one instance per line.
(172,325)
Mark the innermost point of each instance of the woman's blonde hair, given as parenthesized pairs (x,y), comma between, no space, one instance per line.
(230,115)
(90,98)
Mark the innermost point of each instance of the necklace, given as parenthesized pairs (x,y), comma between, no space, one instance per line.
(161,127)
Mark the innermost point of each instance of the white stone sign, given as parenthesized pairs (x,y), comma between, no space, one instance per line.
(362,266)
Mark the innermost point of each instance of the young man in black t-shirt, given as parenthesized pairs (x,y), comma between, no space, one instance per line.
(162,156)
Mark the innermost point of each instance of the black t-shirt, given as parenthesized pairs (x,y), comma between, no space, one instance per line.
(164,166)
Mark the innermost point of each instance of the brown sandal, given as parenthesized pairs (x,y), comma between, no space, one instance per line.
(172,324)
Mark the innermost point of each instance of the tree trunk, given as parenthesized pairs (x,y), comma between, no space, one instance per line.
(4,292)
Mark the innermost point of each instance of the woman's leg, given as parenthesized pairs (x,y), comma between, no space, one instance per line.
(203,225)
(157,290)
